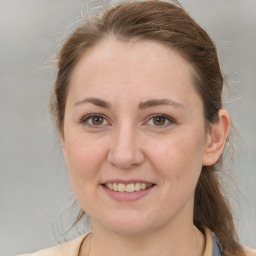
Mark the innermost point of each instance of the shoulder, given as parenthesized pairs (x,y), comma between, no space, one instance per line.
(211,245)
(70,248)
(249,251)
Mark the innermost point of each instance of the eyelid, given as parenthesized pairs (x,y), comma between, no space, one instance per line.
(85,118)
(170,119)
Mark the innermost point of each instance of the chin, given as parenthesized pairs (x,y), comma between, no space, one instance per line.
(130,229)
(129,224)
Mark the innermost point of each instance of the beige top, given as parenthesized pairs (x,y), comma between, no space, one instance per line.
(72,247)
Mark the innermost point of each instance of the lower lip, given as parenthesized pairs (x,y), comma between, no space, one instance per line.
(127,196)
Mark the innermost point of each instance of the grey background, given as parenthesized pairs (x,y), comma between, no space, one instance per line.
(34,186)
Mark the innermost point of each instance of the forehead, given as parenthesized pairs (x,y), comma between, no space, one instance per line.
(140,68)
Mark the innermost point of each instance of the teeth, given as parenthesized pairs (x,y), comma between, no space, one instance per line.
(137,187)
(132,187)
(120,187)
(129,188)
(114,186)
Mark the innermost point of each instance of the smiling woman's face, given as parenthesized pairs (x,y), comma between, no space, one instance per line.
(134,123)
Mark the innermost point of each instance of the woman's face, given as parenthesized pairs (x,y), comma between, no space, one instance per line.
(134,123)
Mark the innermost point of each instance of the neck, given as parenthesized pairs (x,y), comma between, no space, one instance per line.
(186,240)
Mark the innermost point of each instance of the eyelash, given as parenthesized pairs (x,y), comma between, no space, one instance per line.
(167,118)
(85,120)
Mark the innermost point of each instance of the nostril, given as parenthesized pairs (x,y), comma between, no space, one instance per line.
(125,158)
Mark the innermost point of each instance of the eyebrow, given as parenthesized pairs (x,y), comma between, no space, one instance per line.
(142,105)
(159,102)
(95,101)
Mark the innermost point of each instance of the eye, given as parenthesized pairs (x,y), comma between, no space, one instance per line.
(160,120)
(94,120)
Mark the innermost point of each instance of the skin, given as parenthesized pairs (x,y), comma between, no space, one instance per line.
(128,143)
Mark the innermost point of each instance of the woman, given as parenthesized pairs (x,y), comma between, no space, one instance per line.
(138,106)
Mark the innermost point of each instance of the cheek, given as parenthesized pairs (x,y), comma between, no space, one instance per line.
(178,159)
(84,157)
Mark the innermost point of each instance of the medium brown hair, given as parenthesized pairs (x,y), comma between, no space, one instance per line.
(171,25)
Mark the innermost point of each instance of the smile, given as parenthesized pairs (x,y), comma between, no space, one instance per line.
(129,188)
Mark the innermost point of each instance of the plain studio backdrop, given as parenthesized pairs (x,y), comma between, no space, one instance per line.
(34,186)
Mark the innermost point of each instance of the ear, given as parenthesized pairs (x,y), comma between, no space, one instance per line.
(63,145)
(216,138)
(64,150)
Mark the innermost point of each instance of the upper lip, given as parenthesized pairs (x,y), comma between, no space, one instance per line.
(127,181)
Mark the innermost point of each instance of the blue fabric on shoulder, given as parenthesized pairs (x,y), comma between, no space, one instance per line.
(216,246)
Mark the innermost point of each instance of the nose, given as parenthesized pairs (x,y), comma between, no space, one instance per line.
(125,150)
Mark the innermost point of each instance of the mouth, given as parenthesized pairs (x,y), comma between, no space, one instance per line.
(129,188)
